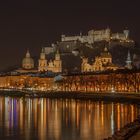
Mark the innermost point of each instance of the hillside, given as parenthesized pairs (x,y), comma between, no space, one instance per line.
(118,50)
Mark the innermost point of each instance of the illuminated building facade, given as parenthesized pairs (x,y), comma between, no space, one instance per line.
(125,81)
(26,81)
(102,62)
(42,62)
(98,35)
(120,81)
(52,65)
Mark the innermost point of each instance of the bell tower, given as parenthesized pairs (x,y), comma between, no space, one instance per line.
(128,61)
(57,63)
(42,66)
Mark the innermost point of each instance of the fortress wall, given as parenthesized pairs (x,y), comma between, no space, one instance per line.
(70,38)
(97,35)
(120,36)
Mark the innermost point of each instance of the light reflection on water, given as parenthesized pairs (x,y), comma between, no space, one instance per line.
(57,119)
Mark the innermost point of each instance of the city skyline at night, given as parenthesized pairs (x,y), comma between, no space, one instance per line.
(69,70)
(27,24)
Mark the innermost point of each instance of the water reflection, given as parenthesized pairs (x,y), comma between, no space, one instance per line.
(53,119)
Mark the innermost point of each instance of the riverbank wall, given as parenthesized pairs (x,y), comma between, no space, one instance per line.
(97,96)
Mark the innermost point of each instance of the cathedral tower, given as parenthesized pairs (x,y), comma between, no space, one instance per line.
(42,61)
(57,63)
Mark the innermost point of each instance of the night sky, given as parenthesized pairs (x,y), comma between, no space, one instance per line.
(29,23)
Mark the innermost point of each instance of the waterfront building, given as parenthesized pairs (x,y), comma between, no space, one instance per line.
(122,81)
(27,81)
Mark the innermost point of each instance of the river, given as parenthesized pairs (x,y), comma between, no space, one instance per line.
(62,119)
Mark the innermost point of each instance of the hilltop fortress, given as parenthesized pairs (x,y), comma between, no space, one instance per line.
(98,35)
(99,50)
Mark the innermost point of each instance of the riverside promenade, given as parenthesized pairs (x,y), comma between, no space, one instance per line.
(99,96)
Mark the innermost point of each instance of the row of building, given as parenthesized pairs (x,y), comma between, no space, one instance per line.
(28,64)
(101,63)
(78,46)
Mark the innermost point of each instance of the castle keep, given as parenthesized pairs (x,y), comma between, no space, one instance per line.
(98,35)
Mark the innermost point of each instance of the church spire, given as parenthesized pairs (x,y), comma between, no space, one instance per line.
(128,61)
(42,50)
(57,55)
(105,49)
(42,54)
(128,57)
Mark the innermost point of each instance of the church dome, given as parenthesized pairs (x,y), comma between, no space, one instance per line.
(106,53)
(28,62)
